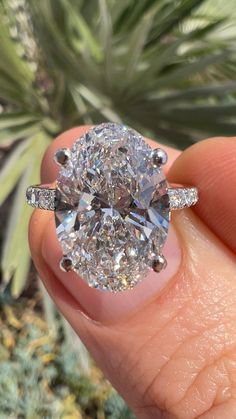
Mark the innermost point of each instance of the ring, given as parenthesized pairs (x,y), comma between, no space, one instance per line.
(112,206)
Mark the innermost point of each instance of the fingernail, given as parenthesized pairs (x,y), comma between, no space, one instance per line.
(103,306)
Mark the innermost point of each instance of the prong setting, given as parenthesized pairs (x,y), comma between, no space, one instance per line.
(62,156)
(159,263)
(66,264)
(111,232)
(159,157)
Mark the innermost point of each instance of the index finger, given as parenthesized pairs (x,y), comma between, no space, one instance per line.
(211,166)
(177,353)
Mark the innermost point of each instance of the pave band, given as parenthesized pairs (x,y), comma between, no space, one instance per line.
(46,199)
(40,197)
(182,197)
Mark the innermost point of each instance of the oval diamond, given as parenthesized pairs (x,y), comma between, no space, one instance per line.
(113,214)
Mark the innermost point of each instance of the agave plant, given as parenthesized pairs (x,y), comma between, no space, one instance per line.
(164,67)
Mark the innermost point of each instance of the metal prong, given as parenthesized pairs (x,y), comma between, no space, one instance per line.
(159,263)
(62,156)
(66,264)
(159,157)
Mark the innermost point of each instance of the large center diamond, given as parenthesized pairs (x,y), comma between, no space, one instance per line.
(113,214)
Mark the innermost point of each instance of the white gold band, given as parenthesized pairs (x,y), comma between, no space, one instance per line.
(182,197)
(46,199)
(40,197)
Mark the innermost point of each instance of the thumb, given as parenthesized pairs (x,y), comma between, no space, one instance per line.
(173,353)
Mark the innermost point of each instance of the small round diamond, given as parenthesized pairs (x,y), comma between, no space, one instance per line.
(113,214)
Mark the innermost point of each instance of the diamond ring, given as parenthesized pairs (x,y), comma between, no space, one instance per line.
(112,206)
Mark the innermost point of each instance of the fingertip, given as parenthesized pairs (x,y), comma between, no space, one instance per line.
(211,166)
(208,153)
(38,223)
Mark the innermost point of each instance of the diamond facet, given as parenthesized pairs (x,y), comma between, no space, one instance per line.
(113,213)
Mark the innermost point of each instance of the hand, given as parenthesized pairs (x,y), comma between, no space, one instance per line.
(169,345)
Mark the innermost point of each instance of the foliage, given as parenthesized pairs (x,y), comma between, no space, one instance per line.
(40,377)
(165,67)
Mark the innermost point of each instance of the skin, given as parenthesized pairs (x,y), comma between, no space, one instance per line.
(173,354)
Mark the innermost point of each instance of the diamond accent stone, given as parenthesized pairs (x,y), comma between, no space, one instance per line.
(42,198)
(113,213)
(181,198)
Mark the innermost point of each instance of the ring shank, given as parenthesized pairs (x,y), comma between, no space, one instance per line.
(182,197)
(41,197)
(45,198)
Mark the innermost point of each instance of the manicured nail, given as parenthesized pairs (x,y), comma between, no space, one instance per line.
(104,306)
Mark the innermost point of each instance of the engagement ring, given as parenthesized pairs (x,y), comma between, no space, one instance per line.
(112,206)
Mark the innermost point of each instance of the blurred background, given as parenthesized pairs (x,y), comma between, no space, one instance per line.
(165,67)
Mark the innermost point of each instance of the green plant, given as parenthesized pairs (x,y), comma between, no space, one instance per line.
(40,377)
(165,67)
